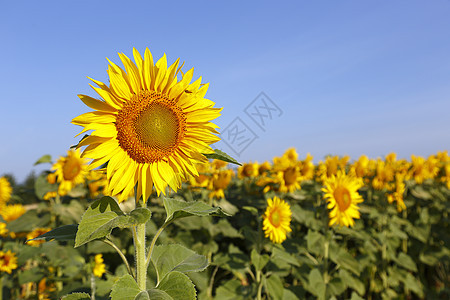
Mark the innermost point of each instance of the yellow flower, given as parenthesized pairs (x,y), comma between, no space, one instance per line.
(44,290)
(360,167)
(150,127)
(289,179)
(34,234)
(341,192)
(3,230)
(306,168)
(331,166)
(8,261)
(397,195)
(69,171)
(277,220)
(97,183)
(291,155)
(99,268)
(264,168)
(219,182)
(50,195)
(384,175)
(248,170)
(11,212)
(5,191)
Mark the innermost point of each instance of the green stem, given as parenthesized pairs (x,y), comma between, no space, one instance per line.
(152,245)
(211,283)
(92,287)
(109,242)
(258,296)
(139,245)
(1,287)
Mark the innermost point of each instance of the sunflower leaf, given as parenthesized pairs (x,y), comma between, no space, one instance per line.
(220,155)
(44,159)
(63,233)
(174,257)
(103,216)
(176,209)
(125,288)
(176,285)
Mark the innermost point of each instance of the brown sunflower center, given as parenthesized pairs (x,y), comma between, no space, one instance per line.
(150,127)
(343,198)
(275,218)
(290,176)
(71,169)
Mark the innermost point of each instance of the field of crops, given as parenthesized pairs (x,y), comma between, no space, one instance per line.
(286,229)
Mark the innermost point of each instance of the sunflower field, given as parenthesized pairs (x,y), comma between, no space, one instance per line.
(148,210)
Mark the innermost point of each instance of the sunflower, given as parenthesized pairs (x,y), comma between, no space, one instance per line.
(34,234)
(248,170)
(69,171)
(3,230)
(219,182)
(277,220)
(341,192)
(150,127)
(100,267)
(397,194)
(5,191)
(11,212)
(8,261)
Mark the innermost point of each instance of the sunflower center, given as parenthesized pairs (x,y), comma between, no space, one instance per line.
(275,218)
(343,198)
(290,176)
(71,169)
(150,127)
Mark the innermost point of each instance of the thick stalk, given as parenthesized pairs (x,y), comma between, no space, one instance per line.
(92,287)
(141,266)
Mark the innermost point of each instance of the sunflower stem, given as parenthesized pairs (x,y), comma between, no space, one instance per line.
(124,259)
(141,266)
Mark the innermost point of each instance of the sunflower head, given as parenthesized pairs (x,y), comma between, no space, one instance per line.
(277,220)
(149,126)
(12,212)
(70,171)
(34,234)
(341,193)
(99,267)
(8,261)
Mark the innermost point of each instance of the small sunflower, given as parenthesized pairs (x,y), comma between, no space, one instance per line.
(34,234)
(150,127)
(3,230)
(248,170)
(100,267)
(397,194)
(8,261)
(277,220)
(69,171)
(5,191)
(341,192)
(219,182)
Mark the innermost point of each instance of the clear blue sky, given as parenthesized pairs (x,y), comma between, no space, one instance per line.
(351,77)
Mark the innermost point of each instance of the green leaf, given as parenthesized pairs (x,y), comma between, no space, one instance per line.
(177,286)
(63,233)
(316,284)
(176,209)
(103,216)
(158,295)
(315,242)
(30,275)
(352,282)
(142,296)
(283,255)
(220,155)
(406,262)
(29,221)
(174,257)
(77,296)
(341,257)
(258,260)
(44,159)
(125,288)
(275,287)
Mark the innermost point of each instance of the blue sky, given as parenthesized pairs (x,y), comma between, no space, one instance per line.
(350,77)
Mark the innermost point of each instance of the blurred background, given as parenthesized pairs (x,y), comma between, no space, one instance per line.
(345,77)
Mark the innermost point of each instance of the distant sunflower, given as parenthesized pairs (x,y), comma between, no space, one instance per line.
(69,171)
(5,191)
(341,192)
(99,267)
(277,220)
(219,182)
(8,261)
(150,127)
(12,212)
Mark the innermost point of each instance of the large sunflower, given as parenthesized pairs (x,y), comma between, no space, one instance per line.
(277,220)
(150,127)
(341,192)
